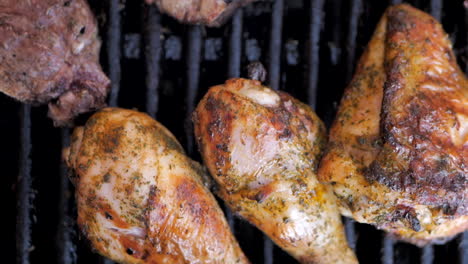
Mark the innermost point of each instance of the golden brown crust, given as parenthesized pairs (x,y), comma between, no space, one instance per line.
(397,149)
(262,147)
(140,199)
(425,95)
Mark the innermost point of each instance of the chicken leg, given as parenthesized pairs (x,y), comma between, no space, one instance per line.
(263,147)
(140,199)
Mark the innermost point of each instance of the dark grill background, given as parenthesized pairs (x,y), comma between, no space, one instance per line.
(162,67)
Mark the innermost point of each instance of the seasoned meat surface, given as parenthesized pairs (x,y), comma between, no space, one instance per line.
(207,12)
(263,147)
(140,198)
(398,149)
(49,54)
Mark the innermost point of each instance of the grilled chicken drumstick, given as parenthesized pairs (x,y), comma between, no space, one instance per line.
(398,149)
(49,53)
(212,13)
(140,198)
(263,147)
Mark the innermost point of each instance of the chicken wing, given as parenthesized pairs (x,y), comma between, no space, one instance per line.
(263,147)
(49,53)
(212,13)
(140,199)
(398,149)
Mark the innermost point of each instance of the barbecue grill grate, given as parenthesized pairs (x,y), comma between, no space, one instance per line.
(162,67)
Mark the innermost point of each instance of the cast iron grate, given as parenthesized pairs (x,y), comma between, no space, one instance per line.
(161,67)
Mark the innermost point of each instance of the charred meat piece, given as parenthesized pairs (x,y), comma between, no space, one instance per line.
(208,12)
(49,53)
(263,147)
(398,149)
(140,198)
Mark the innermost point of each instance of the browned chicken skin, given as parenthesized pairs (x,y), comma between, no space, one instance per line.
(208,12)
(140,199)
(49,53)
(398,149)
(263,148)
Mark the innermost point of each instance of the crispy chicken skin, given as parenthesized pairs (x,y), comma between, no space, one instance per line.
(49,53)
(263,147)
(140,198)
(398,149)
(212,13)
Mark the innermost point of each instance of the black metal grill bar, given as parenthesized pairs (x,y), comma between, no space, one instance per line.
(275,44)
(463,248)
(316,18)
(24,191)
(427,255)
(388,250)
(274,77)
(114,33)
(152,57)
(114,54)
(234,70)
(235,45)
(193,80)
(350,229)
(355,14)
(436,9)
(66,248)
(267,250)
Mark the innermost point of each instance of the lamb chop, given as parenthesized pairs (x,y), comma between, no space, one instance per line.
(212,13)
(398,149)
(263,147)
(140,198)
(49,52)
